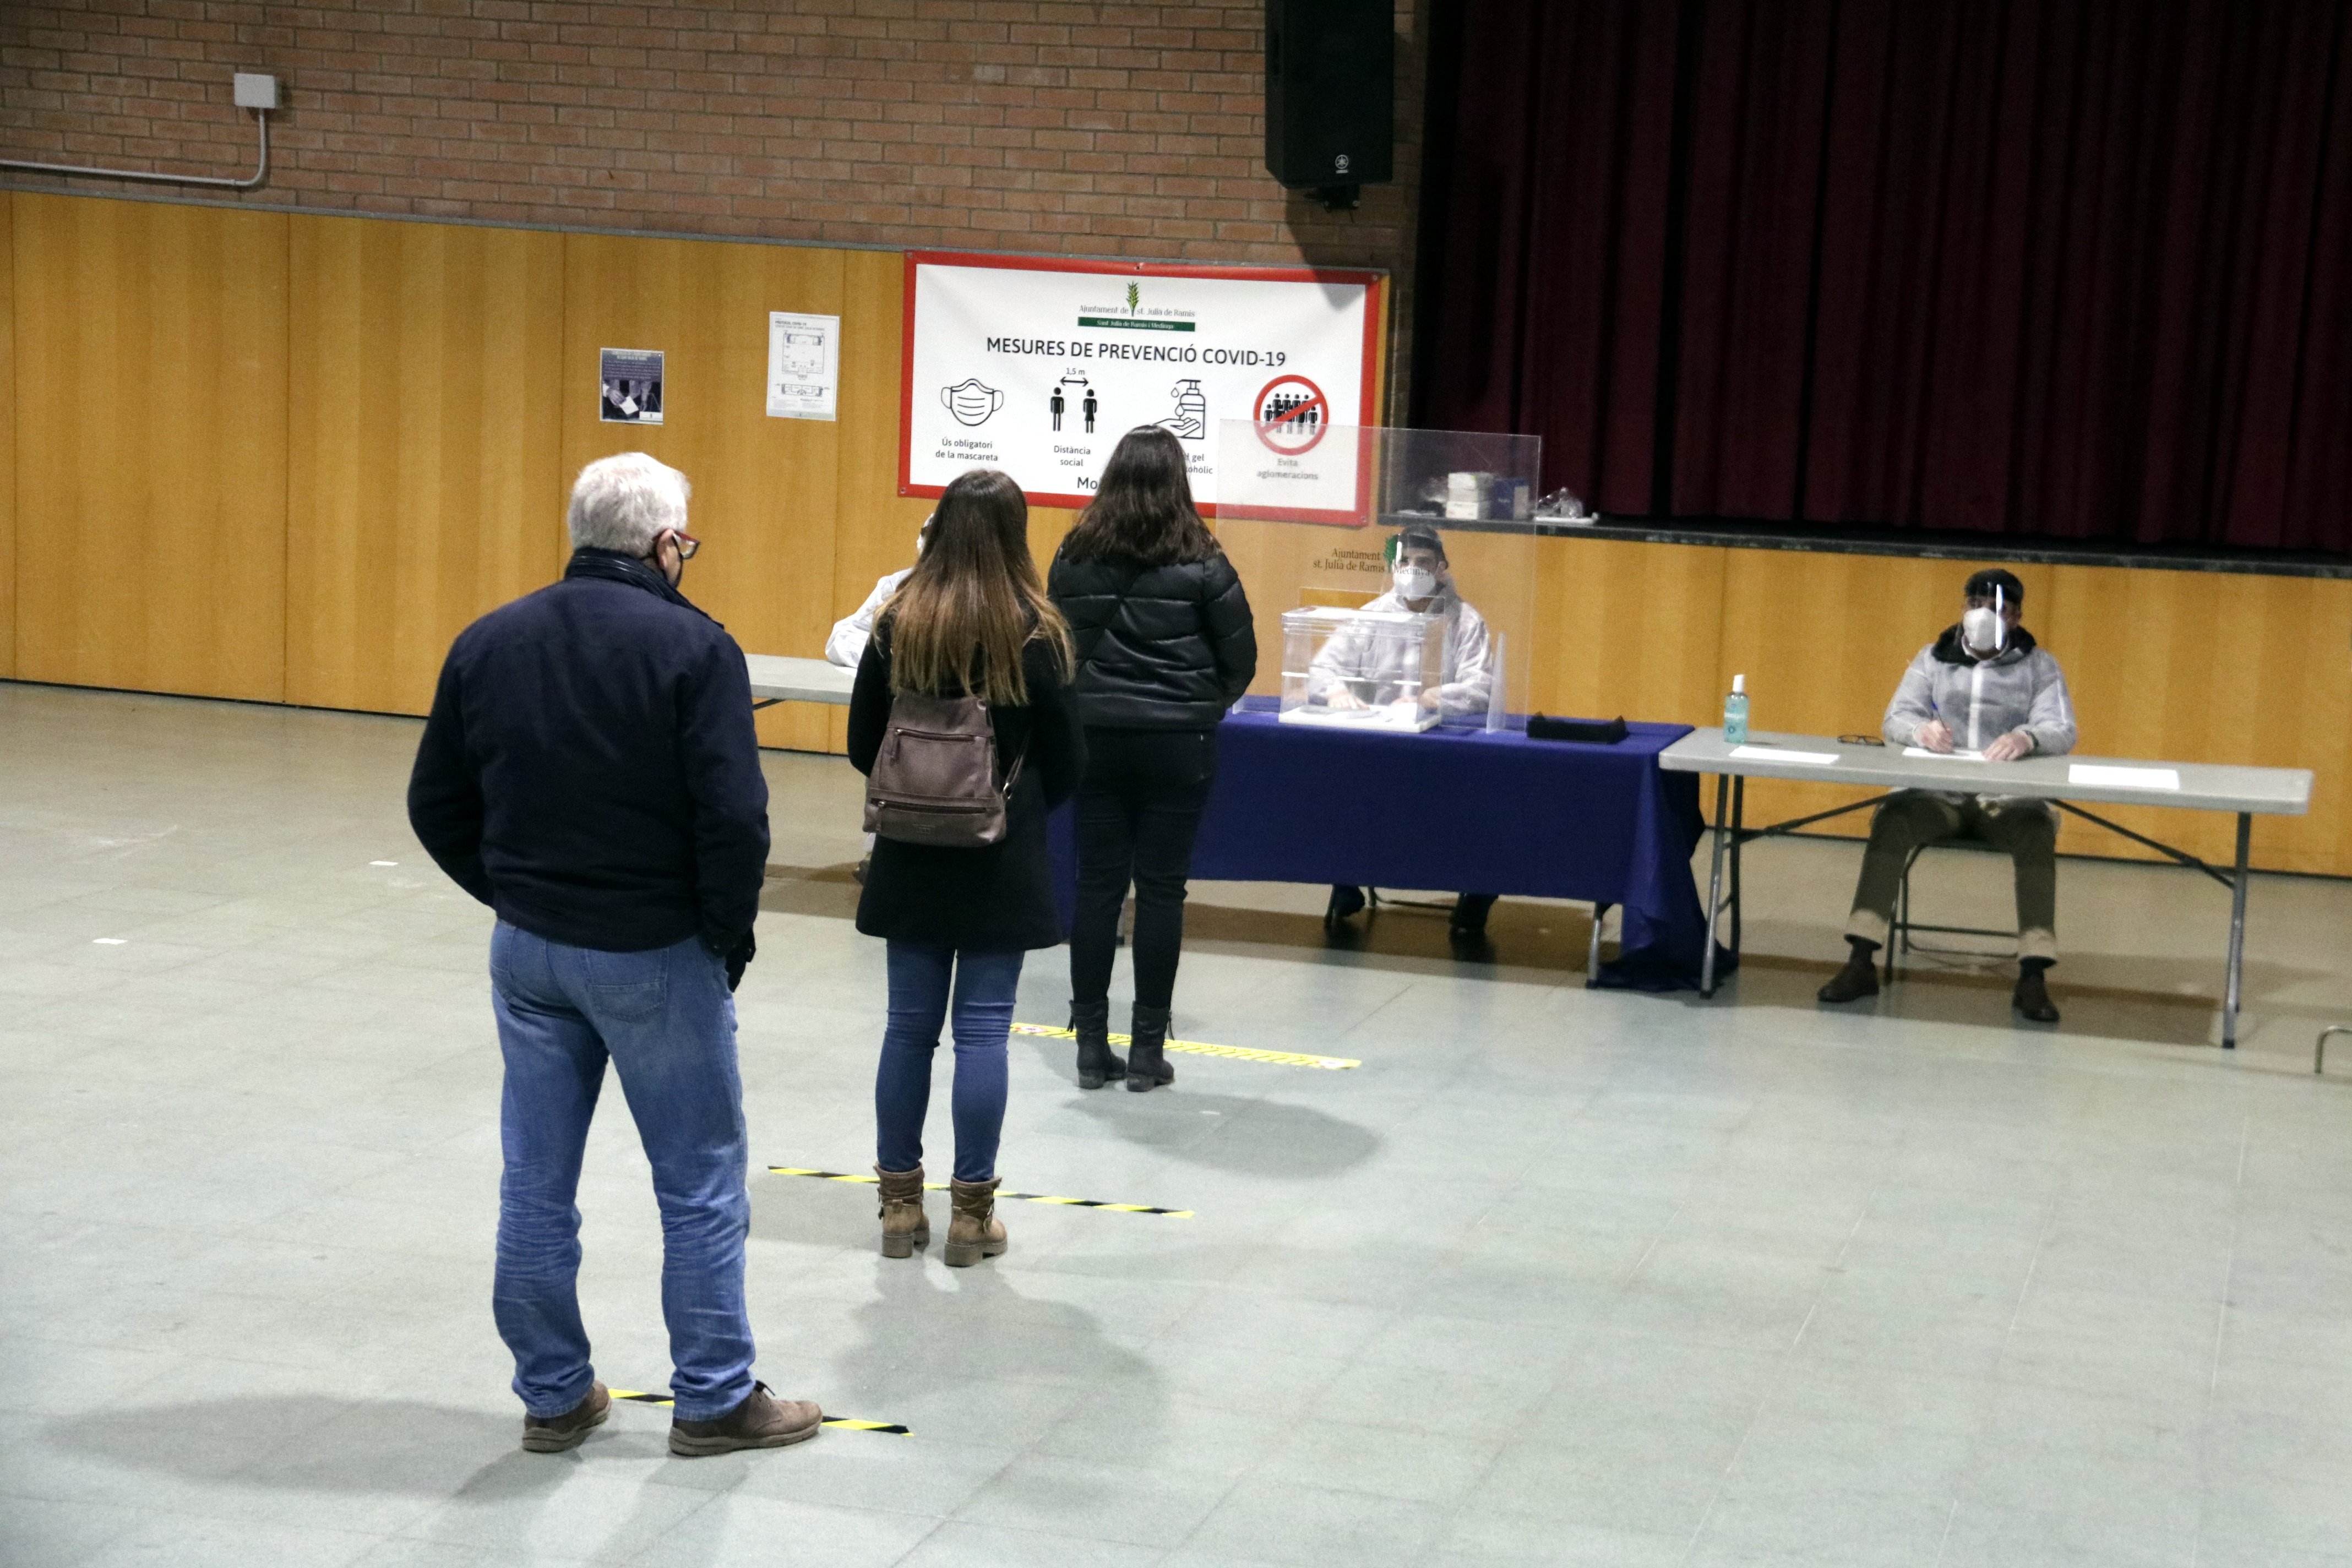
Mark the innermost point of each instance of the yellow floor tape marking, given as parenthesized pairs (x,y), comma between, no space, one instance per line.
(1025,1197)
(663,1400)
(1201,1048)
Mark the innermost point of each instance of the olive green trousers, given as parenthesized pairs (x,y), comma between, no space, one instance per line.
(1910,818)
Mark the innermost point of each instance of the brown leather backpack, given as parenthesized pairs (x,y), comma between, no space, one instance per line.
(934,780)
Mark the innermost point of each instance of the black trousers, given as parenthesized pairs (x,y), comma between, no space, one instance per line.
(1138,807)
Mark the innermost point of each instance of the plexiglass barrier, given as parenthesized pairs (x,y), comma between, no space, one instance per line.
(1380,560)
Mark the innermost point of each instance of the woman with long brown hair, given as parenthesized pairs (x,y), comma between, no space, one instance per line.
(1165,645)
(972,620)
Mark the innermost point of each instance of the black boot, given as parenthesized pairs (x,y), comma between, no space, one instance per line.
(1469,920)
(1147,1059)
(2031,998)
(1096,1062)
(1346,900)
(1859,978)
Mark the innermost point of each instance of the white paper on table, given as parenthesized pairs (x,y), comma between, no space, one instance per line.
(1943,756)
(2123,778)
(1774,755)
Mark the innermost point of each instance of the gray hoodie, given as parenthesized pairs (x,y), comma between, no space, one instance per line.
(2020,687)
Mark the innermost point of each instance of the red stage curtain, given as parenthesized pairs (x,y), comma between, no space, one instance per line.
(2077,269)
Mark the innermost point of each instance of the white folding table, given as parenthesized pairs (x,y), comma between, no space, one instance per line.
(2193,786)
(776,678)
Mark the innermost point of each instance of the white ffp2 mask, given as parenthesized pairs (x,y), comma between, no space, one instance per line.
(1983,630)
(1415,582)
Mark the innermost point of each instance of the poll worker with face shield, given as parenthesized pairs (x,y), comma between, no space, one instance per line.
(1354,662)
(846,645)
(1984,687)
(1356,670)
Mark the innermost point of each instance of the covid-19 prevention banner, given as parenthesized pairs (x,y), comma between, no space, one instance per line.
(1037,367)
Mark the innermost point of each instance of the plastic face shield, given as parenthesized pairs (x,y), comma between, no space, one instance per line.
(1985,628)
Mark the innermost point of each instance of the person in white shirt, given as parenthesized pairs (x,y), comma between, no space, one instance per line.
(847,644)
(1353,664)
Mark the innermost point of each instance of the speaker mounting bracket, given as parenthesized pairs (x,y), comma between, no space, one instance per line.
(1338,198)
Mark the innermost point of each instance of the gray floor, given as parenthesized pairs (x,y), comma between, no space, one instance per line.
(1554,1277)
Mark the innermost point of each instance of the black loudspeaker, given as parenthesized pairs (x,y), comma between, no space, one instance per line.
(1330,98)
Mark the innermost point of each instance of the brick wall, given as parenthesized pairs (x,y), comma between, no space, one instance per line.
(1088,129)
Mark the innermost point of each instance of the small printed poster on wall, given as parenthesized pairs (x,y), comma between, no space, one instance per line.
(804,365)
(1037,367)
(631,393)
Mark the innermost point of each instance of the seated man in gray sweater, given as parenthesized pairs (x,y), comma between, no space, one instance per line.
(1984,687)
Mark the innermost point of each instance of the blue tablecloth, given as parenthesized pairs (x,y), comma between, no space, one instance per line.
(1464,810)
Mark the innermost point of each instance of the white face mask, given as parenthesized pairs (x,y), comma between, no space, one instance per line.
(1983,630)
(1415,582)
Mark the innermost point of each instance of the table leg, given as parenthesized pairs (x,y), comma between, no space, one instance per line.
(1715,881)
(1739,819)
(2237,932)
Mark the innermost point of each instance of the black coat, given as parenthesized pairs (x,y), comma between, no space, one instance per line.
(589,770)
(1160,647)
(1000,899)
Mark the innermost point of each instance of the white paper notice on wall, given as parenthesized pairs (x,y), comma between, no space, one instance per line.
(804,365)
(2123,778)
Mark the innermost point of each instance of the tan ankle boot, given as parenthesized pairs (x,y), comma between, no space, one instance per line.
(904,1225)
(975,1231)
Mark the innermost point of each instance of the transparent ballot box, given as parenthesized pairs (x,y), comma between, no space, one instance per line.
(1364,669)
(1380,560)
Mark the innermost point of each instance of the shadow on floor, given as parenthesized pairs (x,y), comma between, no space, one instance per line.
(361,1445)
(808,1212)
(828,891)
(1526,942)
(2120,997)
(1001,1335)
(1250,1136)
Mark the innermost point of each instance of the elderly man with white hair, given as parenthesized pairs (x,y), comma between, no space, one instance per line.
(589,771)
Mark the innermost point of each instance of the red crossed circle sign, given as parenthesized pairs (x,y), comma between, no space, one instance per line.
(1291,413)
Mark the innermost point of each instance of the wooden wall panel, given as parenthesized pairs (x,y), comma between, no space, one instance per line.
(1631,629)
(151,447)
(424,486)
(766,491)
(9,440)
(2211,668)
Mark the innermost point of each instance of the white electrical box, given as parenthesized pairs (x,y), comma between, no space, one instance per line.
(256,91)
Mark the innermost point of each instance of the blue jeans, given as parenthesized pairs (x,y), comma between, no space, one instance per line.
(984,984)
(666,1021)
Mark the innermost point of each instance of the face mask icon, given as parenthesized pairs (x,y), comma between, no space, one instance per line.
(971,401)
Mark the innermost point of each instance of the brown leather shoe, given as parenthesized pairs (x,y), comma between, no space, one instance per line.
(556,1434)
(1857,980)
(904,1225)
(761,1421)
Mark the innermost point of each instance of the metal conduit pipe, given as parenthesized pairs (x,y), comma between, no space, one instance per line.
(2319,1049)
(250,94)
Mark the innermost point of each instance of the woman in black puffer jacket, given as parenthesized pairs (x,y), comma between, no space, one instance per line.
(1164,647)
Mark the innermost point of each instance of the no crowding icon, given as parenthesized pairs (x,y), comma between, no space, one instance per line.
(1291,414)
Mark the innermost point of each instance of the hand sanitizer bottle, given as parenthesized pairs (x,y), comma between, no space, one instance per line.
(1734,714)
